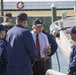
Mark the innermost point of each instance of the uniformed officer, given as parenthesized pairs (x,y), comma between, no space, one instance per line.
(72,60)
(23,50)
(3,60)
(7,20)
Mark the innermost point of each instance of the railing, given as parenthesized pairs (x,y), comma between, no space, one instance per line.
(40,5)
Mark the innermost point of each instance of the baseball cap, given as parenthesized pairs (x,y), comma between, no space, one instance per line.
(71,30)
(2,27)
(8,15)
(37,22)
(22,16)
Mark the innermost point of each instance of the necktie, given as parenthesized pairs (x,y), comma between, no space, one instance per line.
(38,46)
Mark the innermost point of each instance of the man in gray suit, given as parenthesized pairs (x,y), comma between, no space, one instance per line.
(23,50)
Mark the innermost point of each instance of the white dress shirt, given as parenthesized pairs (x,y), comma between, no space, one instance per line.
(43,42)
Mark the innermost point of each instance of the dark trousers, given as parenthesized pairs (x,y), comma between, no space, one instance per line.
(48,63)
(2,69)
(39,67)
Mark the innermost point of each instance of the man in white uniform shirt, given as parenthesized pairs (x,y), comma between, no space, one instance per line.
(42,45)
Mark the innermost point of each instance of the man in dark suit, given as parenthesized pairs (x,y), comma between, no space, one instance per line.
(23,50)
(72,60)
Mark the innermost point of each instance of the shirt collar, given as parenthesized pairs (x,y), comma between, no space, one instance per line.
(19,25)
(35,33)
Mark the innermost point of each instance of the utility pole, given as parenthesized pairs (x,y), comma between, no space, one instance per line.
(2,8)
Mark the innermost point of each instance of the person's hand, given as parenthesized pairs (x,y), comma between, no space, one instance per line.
(47,49)
(33,63)
(47,52)
(46,57)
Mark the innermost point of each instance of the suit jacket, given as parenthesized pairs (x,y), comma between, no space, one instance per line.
(52,42)
(22,52)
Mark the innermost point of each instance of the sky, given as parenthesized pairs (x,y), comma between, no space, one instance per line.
(34,0)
